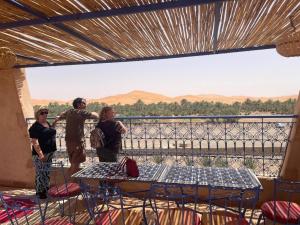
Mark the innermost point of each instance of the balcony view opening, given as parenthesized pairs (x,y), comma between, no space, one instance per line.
(150,112)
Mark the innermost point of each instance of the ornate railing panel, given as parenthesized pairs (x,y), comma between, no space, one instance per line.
(256,142)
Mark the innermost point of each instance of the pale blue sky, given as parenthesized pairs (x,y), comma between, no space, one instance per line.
(256,73)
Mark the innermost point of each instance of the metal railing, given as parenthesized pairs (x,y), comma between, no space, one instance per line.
(256,142)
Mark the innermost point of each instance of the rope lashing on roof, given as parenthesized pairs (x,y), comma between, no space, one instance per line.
(289,45)
(7,58)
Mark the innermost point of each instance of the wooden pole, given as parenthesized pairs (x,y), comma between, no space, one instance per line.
(291,166)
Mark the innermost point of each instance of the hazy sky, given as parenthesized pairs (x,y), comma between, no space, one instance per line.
(256,73)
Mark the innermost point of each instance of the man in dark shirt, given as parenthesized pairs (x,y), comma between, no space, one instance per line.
(75,142)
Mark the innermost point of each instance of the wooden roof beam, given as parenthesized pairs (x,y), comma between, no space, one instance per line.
(63,27)
(107,13)
(40,61)
(223,51)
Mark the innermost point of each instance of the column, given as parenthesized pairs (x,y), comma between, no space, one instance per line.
(291,166)
(16,168)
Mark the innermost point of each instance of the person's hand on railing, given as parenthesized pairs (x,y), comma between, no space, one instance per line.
(55,121)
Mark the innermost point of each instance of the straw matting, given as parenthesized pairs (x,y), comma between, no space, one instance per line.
(242,24)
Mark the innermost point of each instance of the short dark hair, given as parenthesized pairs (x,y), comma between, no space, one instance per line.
(77,102)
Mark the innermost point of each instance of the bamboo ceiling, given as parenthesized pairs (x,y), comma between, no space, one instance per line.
(67,32)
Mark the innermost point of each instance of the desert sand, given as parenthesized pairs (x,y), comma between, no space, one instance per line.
(148,97)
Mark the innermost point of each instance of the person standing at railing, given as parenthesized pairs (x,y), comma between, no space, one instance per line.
(75,141)
(43,147)
(113,131)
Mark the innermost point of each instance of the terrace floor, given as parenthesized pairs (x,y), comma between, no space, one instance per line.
(133,217)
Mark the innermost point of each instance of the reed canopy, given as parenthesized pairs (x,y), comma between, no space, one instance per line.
(60,32)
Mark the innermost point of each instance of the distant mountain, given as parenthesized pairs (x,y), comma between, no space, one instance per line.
(148,97)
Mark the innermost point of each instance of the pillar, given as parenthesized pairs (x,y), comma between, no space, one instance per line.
(291,167)
(16,168)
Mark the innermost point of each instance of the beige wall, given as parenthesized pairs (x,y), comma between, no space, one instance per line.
(16,167)
(23,92)
(291,165)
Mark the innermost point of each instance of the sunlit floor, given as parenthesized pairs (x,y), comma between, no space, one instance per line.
(132,217)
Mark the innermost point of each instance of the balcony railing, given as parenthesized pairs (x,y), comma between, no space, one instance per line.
(256,142)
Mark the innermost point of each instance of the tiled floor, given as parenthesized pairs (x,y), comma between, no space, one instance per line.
(133,217)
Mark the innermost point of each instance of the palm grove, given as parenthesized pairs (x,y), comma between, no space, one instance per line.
(188,108)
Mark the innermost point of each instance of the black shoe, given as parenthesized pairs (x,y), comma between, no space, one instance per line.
(42,195)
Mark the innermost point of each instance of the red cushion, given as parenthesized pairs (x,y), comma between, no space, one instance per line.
(18,200)
(4,215)
(69,190)
(23,203)
(109,218)
(285,212)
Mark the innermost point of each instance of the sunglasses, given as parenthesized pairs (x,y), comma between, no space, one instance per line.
(44,113)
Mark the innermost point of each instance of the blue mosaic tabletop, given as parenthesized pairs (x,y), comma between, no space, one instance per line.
(219,177)
(110,171)
(204,176)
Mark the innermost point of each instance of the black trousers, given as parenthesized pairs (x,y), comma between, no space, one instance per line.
(107,155)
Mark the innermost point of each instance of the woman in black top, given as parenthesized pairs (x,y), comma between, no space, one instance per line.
(43,147)
(112,130)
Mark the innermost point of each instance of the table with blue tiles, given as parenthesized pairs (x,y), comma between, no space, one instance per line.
(188,175)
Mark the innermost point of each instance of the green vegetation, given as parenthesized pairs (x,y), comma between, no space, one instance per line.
(206,161)
(250,163)
(188,161)
(188,108)
(220,162)
(158,159)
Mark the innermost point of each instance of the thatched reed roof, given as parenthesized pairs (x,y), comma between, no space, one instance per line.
(59,32)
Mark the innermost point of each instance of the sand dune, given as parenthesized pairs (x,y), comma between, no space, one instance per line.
(148,97)
(47,101)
